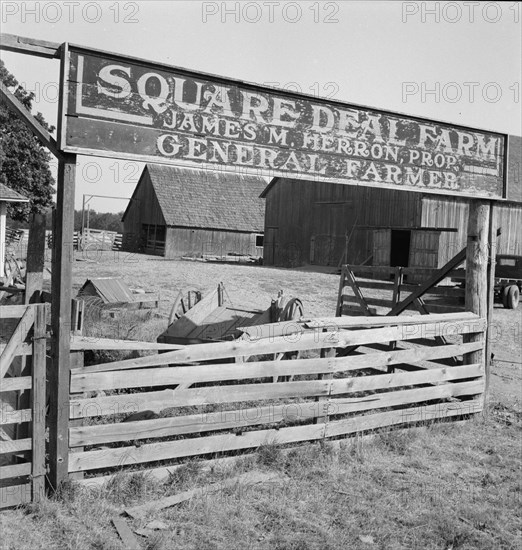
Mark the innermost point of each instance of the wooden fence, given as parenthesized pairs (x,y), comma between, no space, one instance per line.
(97,240)
(361,294)
(22,400)
(193,403)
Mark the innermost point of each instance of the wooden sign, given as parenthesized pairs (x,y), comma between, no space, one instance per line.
(128,108)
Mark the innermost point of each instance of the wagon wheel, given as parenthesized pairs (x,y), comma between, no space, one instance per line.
(292,311)
(186,300)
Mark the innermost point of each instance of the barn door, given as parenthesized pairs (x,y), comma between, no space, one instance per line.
(381,246)
(424,249)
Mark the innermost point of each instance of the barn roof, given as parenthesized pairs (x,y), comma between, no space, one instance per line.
(10,195)
(205,199)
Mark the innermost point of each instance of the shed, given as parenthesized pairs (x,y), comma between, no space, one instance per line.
(320,223)
(7,195)
(177,212)
(113,290)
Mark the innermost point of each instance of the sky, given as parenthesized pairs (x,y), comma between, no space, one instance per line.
(458,62)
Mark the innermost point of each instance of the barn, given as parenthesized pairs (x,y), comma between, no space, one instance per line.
(176,212)
(327,224)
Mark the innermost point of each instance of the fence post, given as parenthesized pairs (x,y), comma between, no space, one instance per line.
(493,223)
(38,404)
(476,272)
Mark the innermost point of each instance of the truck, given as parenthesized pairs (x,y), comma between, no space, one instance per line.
(508,280)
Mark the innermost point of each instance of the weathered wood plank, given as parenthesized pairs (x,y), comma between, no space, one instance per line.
(16,107)
(31,46)
(16,383)
(313,340)
(123,456)
(476,269)
(15,417)
(271,414)
(83,343)
(165,376)
(127,536)
(440,291)
(404,397)
(58,376)
(160,400)
(38,399)
(286,328)
(15,445)
(15,470)
(35,259)
(24,349)
(403,416)
(388,270)
(19,335)
(13,312)
(248,478)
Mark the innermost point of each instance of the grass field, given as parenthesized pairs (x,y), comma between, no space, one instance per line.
(447,486)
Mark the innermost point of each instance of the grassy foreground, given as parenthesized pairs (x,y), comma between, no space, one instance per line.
(450,486)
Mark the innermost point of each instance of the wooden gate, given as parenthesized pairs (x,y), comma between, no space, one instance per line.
(23,404)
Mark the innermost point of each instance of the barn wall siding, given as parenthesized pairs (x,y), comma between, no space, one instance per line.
(450,212)
(144,209)
(193,242)
(314,222)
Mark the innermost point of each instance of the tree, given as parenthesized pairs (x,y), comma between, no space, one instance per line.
(24,163)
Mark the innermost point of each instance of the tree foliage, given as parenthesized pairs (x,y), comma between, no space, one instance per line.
(24,163)
(108,221)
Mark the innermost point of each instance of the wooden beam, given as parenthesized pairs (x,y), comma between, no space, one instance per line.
(29,46)
(16,107)
(58,377)
(126,534)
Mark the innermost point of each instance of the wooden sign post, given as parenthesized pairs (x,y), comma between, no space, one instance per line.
(61,321)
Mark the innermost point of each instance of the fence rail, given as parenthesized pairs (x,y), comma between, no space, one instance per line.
(22,399)
(198,405)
